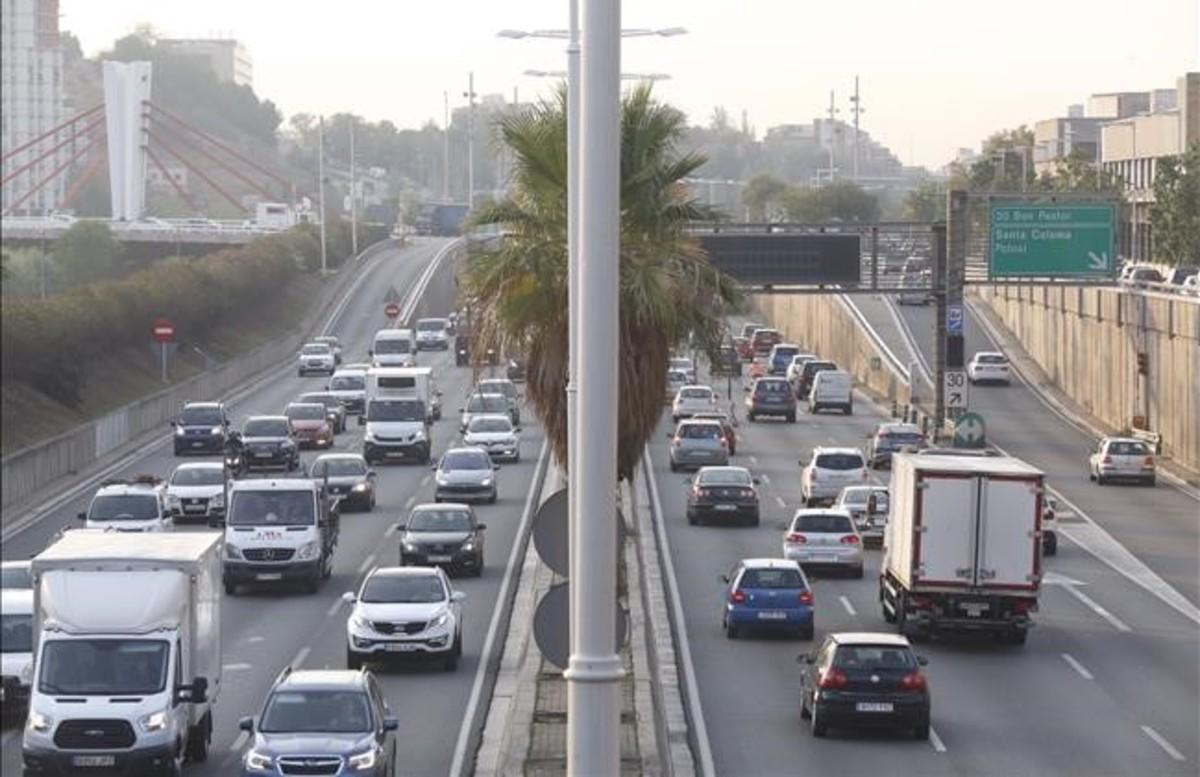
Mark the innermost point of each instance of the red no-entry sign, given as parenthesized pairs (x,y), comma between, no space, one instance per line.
(163,331)
(391,310)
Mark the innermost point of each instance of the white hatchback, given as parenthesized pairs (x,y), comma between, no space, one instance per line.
(829,471)
(690,400)
(1122,458)
(824,538)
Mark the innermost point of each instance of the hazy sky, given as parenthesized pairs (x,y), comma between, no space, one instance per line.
(935,74)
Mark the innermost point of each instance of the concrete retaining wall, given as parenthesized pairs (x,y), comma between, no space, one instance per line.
(25,472)
(1086,342)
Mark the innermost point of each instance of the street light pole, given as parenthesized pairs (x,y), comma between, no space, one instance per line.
(446,147)
(353,197)
(470,95)
(572,279)
(321,176)
(594,671)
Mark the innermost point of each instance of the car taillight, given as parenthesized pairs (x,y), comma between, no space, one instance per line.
(806,597)
(1022,606)
(1107,460)
(913,681)
(833,678)
(1149,462)
(920,602)
(724,442)
(795,538)
(737,597)
(849,539)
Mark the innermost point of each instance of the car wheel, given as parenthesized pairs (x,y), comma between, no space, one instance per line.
(1016,637)
(791,418)
(692,518)
(1100,481)
(492,499)
(848,410)
(353,660)
(1050,545)
(451,662)
(371,503)
(819,729)
(857,572)
(751,417)
(731,631)
(674,466)
(921,730)
(804,713)
(807,631)
(1152,481)
(231,588)
(1091,475)
(313,584)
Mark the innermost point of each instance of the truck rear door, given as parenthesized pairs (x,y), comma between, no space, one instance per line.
(1010,511)
(945,531)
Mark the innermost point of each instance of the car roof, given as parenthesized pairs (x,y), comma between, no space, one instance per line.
(781,346)
(274,484)
(199,465)
(306,404)
(314,342)
(267,418)
(118,489)
(428,506)
(330,456)
(696,386)
(486,394)
(465,449)
(302,679)
(704,470)
(818,450)
(988,353)
(203,404)
(411,571)
(803,511)
(869,487)
(495,380)
(433,318)
(1123,439)
(770,379)
(16,601)
(893,426)
(711,415)
(700,422)
(492,416)
(869,638)
(769,563)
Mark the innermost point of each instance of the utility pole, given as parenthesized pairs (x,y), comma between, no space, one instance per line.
(594,670)
(832,132)
(353,197)
(856,108)
(573,132)
(446,147)
(321,176)
(470,95)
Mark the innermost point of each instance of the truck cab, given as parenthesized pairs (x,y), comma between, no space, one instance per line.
(393,348)
(396,429)
(129,505)
(277,531)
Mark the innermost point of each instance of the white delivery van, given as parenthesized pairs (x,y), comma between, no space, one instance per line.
(393,348)
(831,389)
(16,659)
(406,383)
(128,652)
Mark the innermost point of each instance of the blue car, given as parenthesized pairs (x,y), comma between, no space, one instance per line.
(767,594)
(781,357)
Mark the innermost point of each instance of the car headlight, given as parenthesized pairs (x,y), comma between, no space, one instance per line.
(155,721)
(308,551)
(469,545)
(257,761)
(361,623)
(218,500)
(411,547)
(368,436)
(419,435)
(215,430)
(180,431)
(172,499)
(438,621)
(232,551)
(363,761)
(39,722)
(441,479)
(485,482)
(26,674)
(360,487)
(287,445)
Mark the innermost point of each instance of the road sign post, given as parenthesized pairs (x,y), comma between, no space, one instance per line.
(391,310)
(970,431)
(1051,239)
(163,332)
(955,389)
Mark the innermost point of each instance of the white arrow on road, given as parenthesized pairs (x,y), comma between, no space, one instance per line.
(1098,262)
(1053,578)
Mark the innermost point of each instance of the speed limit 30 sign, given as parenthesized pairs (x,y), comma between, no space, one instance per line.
(955,385)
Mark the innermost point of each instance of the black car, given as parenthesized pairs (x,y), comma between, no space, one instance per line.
(201,427)
(516,370)
(444,534)
(892,438)
(770,397)
(864,679)
(723,494)
(804,381)
(268,442)
(726,361)
(322,722)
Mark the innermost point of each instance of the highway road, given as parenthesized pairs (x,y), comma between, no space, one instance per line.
(1107,685)
(265,630)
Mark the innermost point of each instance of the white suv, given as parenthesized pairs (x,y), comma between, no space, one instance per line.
(829,471)
(404,611)
(988,367)
(690,400)
(137,504)
(316,357)
(433,334)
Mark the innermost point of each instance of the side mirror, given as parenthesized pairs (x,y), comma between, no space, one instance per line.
(370,352)
(723,578)
(433,467)
(173,422)
(458,596)
(746,389)
(246,724)
(756,481)
(495,467)
(362,420)
(81,516)
(716,396)
(196,693)
(805,658)
(922,660)
(391,724)
(480,526)
(349,597)
(372,473)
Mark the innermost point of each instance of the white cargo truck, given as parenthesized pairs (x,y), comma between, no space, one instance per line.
(128,652)
(406,383)
(962,547)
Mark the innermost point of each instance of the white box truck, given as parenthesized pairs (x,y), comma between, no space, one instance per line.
(962,547)
(406,383)
(128,652)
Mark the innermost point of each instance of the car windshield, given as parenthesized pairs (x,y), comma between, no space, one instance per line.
(724,477)
(700,431)
(272,508)
(431,325)
(328,340)
(771,578)
(348,383)
(839,461)
(124,507)
(457,460)
(16,633)
(812,368)
(490,425)
(991,358)
(307,412)
(266,427)
(102,667)
(439,521)
(315,349)
(695,393)
(198,476)
(15,577)
(486,403)
(785,353)
(822,523)
(1124,448)
(392,345)
(325,400)
(772,387)
(325,712)
(200,416)
(874,657)
(677,376)
(496,387)
(396,410)
(860,496)
(403,589)
(901,438)
(338,467)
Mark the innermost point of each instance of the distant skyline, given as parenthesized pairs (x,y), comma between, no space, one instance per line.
(933,80)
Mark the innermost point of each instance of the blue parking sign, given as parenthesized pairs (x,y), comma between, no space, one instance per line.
(954,319)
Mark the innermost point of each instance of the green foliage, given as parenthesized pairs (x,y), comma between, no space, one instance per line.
(23,273)
(88,252)
(761,195)
(927,202)
(667,286)
(1175,215)
(838,201)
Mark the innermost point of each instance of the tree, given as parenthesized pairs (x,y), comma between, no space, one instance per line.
(667,286)
(761,196)
(87,252)
(927,202)
(1175,214)
(838,201)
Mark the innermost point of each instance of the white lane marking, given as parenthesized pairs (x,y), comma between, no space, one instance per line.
(408,503)
(391,529)
(936,741)
(1078,667)
(1162,742)
(849,607)
(300,656)
(334,608)
(366,563)
(1090,603)
(425,481)
(782,503)
(256,638)
(234,667)
(239,742)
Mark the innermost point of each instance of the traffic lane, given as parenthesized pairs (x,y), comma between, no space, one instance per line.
(1158,525)
(1013,676)
(400,268)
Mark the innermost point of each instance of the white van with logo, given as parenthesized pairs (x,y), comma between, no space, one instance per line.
(406,383)
(393,348)
(831,389)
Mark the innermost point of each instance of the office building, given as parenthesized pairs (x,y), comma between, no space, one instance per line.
(227,58)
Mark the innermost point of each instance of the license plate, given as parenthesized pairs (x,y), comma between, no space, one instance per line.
(94,760)
(873,706)
(975,610)
(400,647)
(269,576)
(262,455)
(726,508)
(194,509)
(439,559)
(772,615)
(395,454)
(824,558)
(197,443)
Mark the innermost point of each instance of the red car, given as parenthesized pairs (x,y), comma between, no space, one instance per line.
(311,424)
(764,340)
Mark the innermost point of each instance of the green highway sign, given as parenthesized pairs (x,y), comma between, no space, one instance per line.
(1051,240)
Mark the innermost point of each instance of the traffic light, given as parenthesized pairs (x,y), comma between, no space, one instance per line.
(1143,363)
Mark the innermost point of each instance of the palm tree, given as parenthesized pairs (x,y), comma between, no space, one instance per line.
(668,289)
